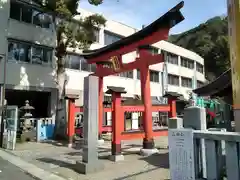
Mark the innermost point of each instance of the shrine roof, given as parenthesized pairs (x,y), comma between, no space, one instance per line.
(219,87)
(168,20)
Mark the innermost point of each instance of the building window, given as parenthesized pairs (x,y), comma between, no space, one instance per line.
(93,67)
(186,82)
(73,62)
(199,84)
(26,13)
(77,62)
(84,65)
(138,74)
(15,11)
(29,53)
(154,76)
(171,58)
(153,50)
(173,80)
(96,35)
(128,74)
(37,55)
(199,67)
(187,63)
(110,38)
(163,118)
(87,67)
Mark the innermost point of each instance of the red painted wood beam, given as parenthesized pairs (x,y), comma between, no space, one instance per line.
(163,108)
(149,60)
(140,134)
(80,109)
(151,39)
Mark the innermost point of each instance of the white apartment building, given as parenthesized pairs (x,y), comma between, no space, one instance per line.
(27,45)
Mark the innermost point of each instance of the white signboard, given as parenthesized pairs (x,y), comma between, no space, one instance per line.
(181,154)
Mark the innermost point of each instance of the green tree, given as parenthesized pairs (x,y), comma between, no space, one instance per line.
(69,33)
(209,40)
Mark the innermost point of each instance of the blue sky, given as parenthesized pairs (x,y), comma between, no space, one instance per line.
(136,13)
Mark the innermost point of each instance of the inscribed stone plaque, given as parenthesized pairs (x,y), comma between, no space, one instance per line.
(181,154)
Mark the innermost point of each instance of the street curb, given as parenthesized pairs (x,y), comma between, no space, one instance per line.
(11,153)
(36,178)
(28,168)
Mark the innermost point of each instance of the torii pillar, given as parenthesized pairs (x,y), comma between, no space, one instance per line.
(71,118)
(117,121)
(172,97)
(100,107)
(148,141)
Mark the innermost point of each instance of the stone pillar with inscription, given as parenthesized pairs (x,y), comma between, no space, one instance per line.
(181,154)
(90,162)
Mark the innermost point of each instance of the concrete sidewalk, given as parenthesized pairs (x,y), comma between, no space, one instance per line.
(29,168)
(55,161)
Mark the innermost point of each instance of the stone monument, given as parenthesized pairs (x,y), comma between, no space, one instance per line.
(181,154)
(90,162)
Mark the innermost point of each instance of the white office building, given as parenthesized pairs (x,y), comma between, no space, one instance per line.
(27,45)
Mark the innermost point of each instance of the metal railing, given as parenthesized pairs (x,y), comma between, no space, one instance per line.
(221,155)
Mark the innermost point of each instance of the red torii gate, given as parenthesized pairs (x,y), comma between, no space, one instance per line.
(112,55)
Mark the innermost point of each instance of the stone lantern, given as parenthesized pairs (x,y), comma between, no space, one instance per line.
(26,122)
(27,109)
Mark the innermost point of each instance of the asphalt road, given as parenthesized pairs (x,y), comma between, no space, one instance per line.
(9,171)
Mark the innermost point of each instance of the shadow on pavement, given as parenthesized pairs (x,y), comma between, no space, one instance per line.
(73,167)
(60,163)
(100,150)
(78,144)
(135,174)
(159,160)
